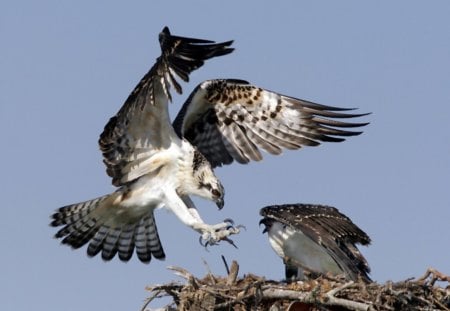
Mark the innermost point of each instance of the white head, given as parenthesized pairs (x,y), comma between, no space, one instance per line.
(204,182)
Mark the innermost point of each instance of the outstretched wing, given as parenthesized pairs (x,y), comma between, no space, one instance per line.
(232,120)
(142,126)
(327,227)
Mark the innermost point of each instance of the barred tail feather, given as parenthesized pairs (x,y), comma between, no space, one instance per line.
(96,244)
(79,225)
(125,245)
(147,240)
(71,214)
(153,241)
(110,246)
(85,222)
(142,252)
(79,238)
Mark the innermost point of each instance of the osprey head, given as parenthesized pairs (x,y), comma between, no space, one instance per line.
(208,185)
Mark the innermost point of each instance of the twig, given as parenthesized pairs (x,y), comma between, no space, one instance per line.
(349,304)
(210,274)
(150,299)
(334,291)
(232,273)
(184,274)
(440,305)
(435,276)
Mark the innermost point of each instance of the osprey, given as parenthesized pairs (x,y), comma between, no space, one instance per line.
(155,164)
(317,239)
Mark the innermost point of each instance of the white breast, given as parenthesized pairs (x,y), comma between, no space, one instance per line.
(299,250)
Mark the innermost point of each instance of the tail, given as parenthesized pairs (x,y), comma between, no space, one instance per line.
(109,232)
(357,266)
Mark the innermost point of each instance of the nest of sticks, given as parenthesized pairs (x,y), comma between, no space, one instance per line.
(252,292)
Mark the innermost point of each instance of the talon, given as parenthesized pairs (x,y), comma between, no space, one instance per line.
(200,240)
(230,223)
(212,235)
(241,227)
(229,220)
(205,243)
(206,239)
(230,241)
(236,229)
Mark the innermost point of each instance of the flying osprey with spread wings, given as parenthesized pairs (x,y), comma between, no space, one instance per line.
(317,239)
(155,164)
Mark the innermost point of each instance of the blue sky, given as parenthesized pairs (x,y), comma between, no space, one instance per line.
(67,67)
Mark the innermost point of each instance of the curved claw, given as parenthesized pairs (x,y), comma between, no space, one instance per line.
(207,241)
(213,242)
(241,227)
(231,242)
(231,224)
(200,240)
(229,220)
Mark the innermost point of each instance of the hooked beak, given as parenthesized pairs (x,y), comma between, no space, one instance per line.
(266,225)
(220,203)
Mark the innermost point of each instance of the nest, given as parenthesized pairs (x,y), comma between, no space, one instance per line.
(252,292)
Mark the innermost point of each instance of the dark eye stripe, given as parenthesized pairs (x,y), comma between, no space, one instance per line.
(207,186)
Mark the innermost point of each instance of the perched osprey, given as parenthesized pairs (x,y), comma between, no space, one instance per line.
(155,164)
(317,239)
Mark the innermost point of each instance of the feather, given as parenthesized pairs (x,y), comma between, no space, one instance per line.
(110,244)
(96,244)
(248,118)
(153,242)
(142,249)
(142,126)
(325,226)
(125,244)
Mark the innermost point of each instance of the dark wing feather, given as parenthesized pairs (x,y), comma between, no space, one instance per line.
(249,118)
(328,227)
(328,218)
(210,139)
(142,127)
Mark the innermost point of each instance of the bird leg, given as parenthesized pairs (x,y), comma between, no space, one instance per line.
(183,207)
(213,234)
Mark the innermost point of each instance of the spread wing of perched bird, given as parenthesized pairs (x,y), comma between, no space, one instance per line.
(155,164)
(317,239)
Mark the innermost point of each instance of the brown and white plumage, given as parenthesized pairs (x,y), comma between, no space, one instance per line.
(96,221)
(157,164)
(230,119)
(315,238)
(142,126)
(150,164)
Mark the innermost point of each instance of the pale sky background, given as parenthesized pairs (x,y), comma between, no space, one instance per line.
(67,67)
